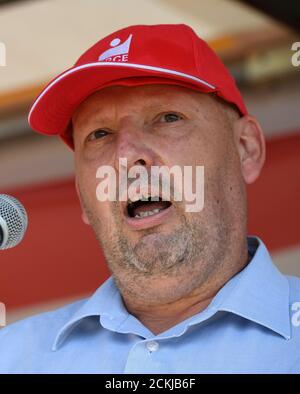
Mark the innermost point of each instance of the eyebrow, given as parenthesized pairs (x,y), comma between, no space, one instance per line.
(97,115)
(100,116)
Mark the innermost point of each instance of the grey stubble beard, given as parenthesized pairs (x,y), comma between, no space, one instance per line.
(183,257)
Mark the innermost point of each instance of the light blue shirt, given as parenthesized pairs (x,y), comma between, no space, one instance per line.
(252,325)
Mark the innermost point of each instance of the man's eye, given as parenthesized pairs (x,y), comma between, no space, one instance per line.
(97,134)
(170,117)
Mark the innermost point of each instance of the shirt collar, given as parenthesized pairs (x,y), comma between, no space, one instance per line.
(106,302)
(260,293)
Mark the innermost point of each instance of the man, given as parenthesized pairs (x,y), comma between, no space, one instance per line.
(189,292)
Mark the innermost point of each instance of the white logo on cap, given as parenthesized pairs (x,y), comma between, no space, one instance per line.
(118,52)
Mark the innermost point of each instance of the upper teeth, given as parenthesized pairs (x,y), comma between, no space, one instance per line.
(147,213)
(134,198)
(144,198)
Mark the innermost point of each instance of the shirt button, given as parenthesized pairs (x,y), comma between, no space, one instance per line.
(152,346)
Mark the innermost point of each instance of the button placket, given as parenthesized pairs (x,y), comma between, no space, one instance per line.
(152,346)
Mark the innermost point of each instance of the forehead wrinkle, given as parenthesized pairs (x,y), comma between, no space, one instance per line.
(131,100)
(89,111)
(113,109)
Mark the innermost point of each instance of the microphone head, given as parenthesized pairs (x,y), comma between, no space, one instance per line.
(13,221)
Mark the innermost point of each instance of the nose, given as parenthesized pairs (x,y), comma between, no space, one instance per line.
(132,145)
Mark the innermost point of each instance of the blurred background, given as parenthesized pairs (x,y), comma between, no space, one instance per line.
(59,259)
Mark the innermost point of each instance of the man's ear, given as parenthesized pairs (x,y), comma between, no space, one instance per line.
(83,214)
(251,147)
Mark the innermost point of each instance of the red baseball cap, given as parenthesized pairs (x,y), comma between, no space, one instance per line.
(135,55)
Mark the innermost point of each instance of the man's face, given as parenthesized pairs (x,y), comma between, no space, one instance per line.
(160,125)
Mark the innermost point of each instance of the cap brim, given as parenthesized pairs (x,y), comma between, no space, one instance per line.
(52,110)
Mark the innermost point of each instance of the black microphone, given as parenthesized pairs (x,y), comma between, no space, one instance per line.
(13,222)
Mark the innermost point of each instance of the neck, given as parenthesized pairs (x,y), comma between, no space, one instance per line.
(160,317)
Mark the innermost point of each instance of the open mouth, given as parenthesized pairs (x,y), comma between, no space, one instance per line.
(147,207)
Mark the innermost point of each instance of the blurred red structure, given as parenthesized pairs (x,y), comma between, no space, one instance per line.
(60,256)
